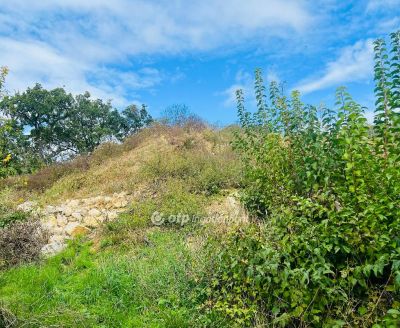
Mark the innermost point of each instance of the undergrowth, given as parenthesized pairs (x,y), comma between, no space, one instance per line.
(324,187)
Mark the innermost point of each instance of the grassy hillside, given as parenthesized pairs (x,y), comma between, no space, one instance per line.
(128,273)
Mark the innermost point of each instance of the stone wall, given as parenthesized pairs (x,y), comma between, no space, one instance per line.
(75,217)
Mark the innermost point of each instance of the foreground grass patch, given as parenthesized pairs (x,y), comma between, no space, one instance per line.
(149,286)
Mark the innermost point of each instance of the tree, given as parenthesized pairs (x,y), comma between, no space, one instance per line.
(135,119)
(61,125)
(176,114)
(92,122)
(43,113)
(14,157)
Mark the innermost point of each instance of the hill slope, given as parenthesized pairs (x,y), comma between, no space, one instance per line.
(128,271)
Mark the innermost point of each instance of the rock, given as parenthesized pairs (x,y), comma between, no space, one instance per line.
(91,222)
(120,195)
(94,212)
(83,211)
(58,230)
(50,223)
(119,203)
(73,203)
(69,228)
(112,215)
(53,248)
(86,201)
(74,229)
(67,211)
(77,216)
(50,210)
(61,220)
(56,239)
(98,200)
(27,206)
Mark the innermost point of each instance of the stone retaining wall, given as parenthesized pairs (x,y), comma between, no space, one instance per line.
(75,217)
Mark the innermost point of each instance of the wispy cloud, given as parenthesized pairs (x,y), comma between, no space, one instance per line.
(74,42)
(243,81)
(355,63)
(376,5)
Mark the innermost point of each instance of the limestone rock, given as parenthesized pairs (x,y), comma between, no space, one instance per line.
(50,210)
(112,215)
(61,220)
(73,203)
(58,230)
(69,228)
(94,212)
(83,211)
(56,239)
(53,248)
(77,216)
(91,222)
(67,211)
(50,223)
(119,203)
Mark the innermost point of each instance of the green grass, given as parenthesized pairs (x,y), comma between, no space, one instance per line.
(150,286)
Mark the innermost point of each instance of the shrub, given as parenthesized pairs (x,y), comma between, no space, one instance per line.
(181,116)
(325,187)
(21,242)
(47,176)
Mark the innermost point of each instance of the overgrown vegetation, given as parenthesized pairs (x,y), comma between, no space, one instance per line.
(132,273)
(321,186)
(324,186)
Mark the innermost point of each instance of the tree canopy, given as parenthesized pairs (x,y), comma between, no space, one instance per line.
(56,125)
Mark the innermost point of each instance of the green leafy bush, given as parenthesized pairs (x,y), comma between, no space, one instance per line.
(325,186)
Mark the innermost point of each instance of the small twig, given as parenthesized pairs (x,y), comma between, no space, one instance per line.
(379,298)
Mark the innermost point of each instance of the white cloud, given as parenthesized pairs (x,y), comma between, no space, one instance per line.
(244,81)
(69,42)
(32,62)
(375,5)
(369,115)
(388,25)
(355,63)
(272,76)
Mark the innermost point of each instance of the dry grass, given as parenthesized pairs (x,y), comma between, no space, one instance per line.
(7,318)
(21,242)
(115,168)
(119,167)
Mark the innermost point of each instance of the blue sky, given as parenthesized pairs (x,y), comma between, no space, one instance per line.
(194,52)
